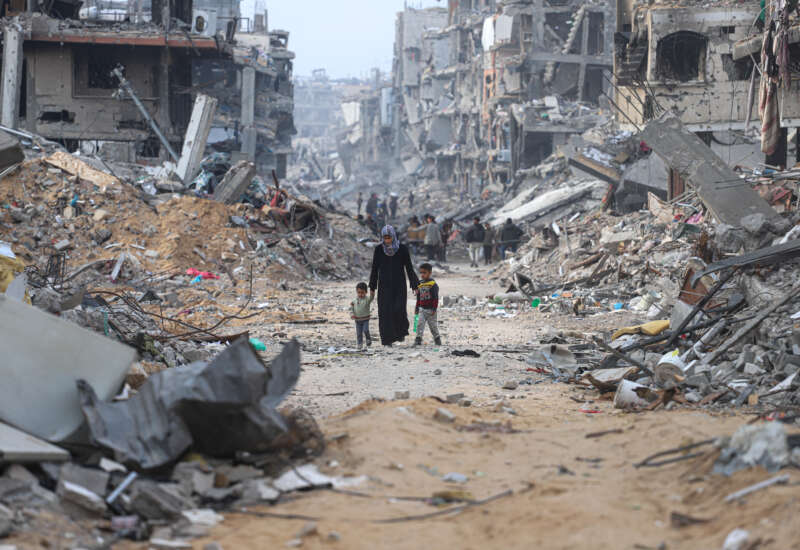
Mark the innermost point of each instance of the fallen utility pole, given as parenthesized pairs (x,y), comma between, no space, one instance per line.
(126,87)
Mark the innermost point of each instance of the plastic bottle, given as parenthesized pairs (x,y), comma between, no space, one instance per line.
(257,344)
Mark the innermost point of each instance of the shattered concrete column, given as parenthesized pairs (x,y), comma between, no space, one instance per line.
(12,75)
(194,143)
(249,135)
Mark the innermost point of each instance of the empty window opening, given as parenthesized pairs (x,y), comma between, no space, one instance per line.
(100,67)
(149,148)
(57,116)
(727,30)
(681,56)
(739,69)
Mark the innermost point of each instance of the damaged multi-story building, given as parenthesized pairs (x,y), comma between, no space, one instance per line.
(692,61)
(64,63)
(477,87)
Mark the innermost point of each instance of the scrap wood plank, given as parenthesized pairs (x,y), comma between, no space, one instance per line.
(714,181)
(75,166)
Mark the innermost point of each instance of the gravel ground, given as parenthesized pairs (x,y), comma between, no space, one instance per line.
(337,377)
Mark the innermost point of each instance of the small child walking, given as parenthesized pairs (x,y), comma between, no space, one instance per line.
(360,312)
(427,305)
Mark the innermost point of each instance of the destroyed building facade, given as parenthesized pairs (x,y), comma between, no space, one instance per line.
(680,58)
(59,81)
(476,90)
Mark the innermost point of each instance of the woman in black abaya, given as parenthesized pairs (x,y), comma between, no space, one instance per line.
(388,263)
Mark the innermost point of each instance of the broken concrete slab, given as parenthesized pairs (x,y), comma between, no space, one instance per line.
(94,480)
(235,182)
(18,446)
(194,142)
(10,151)
(156,501)
(39,347)
(708,174)
(88,501)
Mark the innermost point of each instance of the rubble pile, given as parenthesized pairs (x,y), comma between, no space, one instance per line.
(60,205)
(716,303)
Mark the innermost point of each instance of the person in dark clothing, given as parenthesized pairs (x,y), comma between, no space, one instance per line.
(488,243)
(474,237)
(359,201)
(388,263)
(447,230)
(393,205)
(510,236)
(411,199)
(371,224)
(372,205)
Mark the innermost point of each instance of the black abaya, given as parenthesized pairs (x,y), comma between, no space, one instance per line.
(388,277)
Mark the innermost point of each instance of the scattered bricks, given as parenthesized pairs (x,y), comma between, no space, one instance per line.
(405,394)
(443,415)
(455,397)
(465,402)
(510,385)
(85,500)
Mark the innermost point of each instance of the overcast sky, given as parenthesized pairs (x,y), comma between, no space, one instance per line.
(345,37)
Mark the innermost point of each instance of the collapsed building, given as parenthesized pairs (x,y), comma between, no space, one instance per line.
(63,66)
(478,91)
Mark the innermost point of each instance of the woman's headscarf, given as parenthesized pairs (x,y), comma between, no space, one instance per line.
(392,248)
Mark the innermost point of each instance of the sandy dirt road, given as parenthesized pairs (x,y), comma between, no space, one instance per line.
(556,487)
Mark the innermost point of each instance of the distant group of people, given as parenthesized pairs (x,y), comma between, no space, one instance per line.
(482,238)
(378,212)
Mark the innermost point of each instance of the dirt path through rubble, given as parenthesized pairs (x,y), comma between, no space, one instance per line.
(568,491)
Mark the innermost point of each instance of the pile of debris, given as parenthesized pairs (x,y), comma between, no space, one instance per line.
(711,276)
(59,206)
(157,464)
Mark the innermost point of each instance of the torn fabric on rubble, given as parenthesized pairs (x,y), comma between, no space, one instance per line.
(218,408)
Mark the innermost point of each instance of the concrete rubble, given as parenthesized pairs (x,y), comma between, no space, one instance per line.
(133,281)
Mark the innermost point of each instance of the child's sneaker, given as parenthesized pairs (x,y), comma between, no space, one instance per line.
(437,341)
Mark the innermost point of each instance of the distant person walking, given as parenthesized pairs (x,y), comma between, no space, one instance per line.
(410,199)
(393,205)
(510,236)
(359,201)
(389,262)
(488,243)
(372,205)
(474,237)
(433,237)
